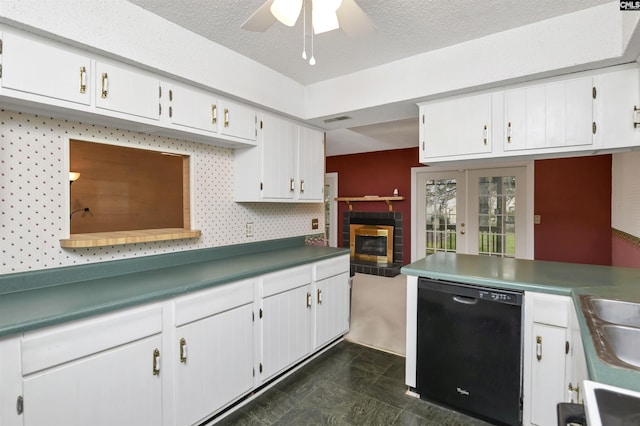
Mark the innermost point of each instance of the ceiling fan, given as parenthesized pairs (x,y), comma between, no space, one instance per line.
(327,15)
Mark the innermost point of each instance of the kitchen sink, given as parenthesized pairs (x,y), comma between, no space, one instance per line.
(614,326)
(624,342)
(617,311)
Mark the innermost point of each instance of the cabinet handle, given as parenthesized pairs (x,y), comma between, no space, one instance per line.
(226,117)
(539,347)
(636,110)
(301,186)
(292,184)
(319,297)
(509,132)
(575,389)
(105,84)
(214,114)
(485,134)
(308,300)
(183,351)
(83,80)
(156,362)
(594,127)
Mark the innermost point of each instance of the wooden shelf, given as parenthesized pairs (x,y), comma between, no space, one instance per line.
(101,239)
(388,200)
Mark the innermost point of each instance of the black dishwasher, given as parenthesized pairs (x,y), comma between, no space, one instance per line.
(469,349)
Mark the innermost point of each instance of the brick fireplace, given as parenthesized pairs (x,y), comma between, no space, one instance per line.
(369,234)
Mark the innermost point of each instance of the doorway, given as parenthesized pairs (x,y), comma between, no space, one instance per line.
(482,210)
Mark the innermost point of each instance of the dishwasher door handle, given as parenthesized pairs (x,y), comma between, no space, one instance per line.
(465,300)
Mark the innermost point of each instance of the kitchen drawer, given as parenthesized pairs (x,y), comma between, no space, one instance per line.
(329,268)
(281,281)
(551,309)
(213,301)
(57,345)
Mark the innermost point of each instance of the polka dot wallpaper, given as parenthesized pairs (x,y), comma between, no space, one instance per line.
(34,192)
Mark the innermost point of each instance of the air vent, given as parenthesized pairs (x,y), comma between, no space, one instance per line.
(334,119)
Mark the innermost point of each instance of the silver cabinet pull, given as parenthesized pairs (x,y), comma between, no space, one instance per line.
(183,351)
(105,84)
(156,362)
(539,348)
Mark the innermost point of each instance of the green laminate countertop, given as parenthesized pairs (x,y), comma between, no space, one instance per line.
(22,311)
(568,279)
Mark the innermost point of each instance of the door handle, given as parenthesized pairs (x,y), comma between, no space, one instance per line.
(539,348)
(465,300)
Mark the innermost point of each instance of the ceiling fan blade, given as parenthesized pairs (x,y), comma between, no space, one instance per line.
(261,19)
(353,20)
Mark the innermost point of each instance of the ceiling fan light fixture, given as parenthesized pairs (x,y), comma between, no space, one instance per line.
(324,17)
(286,11)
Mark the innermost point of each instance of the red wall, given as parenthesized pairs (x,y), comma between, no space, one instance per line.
(377,173)
(625,250)
(573,197)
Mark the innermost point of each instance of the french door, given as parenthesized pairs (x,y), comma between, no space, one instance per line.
(476,211)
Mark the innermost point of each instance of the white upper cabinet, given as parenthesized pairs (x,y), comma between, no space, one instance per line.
(548,116)
(310,181)
(238,121)
(193,108)
(279,139)
(617,98)
(39,68)
(287,165)
(455,127)
(126,90)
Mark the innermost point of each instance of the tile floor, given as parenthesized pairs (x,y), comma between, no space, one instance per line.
(348,385)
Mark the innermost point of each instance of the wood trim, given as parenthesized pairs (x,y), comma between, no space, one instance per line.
(388,200)
(101,239)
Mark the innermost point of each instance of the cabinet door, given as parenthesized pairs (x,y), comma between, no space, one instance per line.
(193,108)
(578,104)
(237,120)
(126,90)
(115,387)
(457,127)
(279,139)
(286,333)
(213,363)
(617,95)
(548,373)
(525,118)
(310,164)
(41,69)
(552,115)
(332,308)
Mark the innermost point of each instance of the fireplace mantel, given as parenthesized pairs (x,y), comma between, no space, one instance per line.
(388,200)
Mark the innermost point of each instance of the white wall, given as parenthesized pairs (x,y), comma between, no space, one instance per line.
(625,193)
(34,185)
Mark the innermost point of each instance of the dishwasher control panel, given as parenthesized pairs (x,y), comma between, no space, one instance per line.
(494,296)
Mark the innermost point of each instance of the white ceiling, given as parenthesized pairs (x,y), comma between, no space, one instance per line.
(404,28)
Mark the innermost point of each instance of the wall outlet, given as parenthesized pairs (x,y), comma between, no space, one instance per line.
(314,223)
(249,229)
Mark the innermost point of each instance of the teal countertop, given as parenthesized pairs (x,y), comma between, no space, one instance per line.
(72,295)
(568,279)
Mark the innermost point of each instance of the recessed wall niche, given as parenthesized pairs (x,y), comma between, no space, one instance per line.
(126,189)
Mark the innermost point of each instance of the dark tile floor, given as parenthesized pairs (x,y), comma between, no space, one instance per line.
(348,385)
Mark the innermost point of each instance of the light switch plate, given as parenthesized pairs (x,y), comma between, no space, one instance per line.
(249,229)
(536,219)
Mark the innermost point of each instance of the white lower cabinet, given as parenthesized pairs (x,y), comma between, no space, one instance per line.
(285,318)
(101,371)
(213,356)
(553,357)
(176,362)
(332,300)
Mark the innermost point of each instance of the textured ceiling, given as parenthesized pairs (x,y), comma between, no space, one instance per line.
(405,28)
